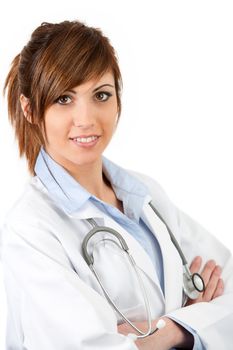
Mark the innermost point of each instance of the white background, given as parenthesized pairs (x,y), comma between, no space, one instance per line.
(176,59)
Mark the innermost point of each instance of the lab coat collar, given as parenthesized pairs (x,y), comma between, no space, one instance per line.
(129,189)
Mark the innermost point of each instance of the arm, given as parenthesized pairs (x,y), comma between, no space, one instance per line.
(214,287)
(179,335)
(211,320)
(172,335)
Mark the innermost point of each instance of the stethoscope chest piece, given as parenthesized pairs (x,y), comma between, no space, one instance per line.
(193,285)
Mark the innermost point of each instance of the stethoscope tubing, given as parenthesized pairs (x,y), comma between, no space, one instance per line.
(188,280)
(90,261)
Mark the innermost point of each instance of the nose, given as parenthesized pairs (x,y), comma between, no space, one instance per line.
(84,116)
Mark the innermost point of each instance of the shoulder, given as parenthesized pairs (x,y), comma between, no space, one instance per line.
(31,228)
(193,236)
(159,197)
(153,186)
(33,204)
(168,210)
(33,224)
(155,190)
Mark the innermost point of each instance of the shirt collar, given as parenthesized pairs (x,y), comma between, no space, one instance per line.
(71,196)
(132,192)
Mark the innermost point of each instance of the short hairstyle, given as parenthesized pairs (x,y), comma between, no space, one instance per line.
(57,58)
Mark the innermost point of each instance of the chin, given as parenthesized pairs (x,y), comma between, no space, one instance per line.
(86,160)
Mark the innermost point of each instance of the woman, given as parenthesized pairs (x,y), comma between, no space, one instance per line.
(64,104)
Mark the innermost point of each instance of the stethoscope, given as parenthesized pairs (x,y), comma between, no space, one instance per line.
(193,284)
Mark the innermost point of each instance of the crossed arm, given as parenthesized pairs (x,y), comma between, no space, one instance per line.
(174,335)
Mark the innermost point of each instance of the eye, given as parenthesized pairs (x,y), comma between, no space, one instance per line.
(63,100)
(103,96)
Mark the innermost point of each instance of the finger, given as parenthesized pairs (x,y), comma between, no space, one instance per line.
(196,264)
(123,328)
(207,271)
(219,289)
(212,284)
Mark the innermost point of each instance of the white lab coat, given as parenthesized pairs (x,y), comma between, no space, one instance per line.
(54,300)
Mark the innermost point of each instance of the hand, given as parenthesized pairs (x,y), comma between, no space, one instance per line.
(172,335)
(211,275)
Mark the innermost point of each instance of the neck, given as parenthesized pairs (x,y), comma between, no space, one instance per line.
(91,177)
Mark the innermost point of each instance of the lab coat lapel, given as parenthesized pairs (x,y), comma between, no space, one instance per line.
(171,260)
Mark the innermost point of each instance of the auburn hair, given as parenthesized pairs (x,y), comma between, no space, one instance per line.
(57,58)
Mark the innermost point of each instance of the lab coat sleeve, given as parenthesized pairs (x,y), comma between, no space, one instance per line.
(197,345)
(212,321)
(50,307)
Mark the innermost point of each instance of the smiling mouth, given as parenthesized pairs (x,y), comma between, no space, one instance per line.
(85,139)
(85,142)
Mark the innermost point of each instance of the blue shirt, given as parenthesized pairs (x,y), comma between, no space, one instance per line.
(71,196)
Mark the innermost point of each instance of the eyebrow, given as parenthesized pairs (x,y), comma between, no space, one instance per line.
(99,87)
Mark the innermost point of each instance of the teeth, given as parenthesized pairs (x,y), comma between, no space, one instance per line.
(86,139)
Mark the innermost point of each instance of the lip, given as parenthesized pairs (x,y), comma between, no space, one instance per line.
(84,136)
(86,144)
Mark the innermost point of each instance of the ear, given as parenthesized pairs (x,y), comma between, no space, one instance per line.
(25,105)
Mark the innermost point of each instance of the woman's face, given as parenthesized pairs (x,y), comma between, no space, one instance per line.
(81,122)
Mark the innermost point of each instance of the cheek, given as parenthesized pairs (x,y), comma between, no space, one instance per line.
(111,117)
(54,125)
(110,125)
